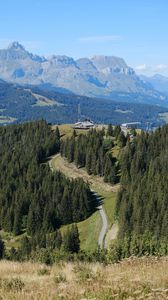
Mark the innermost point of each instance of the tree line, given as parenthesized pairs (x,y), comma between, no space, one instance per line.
(142,201)
(94,151)
(43,246)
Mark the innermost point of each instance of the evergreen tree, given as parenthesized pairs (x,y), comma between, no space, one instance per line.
(57,133)
(117,130)
(25,247)
(2,248)
(89,161)
(74,134)
(71,240)
(122,140)
(110,130)
(17,221)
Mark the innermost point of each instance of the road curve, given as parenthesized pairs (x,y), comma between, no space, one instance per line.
(50,165)
(104,227)
(104,222)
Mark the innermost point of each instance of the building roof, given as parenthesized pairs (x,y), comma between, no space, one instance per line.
(84,124)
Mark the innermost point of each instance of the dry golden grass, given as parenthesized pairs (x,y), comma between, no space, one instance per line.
(145,278)
(66,130)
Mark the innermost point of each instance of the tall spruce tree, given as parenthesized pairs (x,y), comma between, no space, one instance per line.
(110,130)
(2,248)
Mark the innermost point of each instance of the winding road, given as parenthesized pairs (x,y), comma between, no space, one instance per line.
(104,222)
(104,227)
(100,208)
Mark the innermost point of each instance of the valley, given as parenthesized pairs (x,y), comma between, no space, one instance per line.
(83,150)
(28,103)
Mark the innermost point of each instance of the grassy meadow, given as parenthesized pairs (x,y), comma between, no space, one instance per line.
(131,279)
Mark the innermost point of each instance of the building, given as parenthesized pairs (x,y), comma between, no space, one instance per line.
(130,125)
(86,124)
(125,128)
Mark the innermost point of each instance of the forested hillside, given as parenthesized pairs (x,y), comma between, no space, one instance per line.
(32,198)
(93,151)
(142,204)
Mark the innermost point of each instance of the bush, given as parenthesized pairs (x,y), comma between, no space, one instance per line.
(60,277)
(43,271)
(43,256)
(84,272)
(13,284)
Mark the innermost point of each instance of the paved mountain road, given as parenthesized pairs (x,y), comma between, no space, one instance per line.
(104,222)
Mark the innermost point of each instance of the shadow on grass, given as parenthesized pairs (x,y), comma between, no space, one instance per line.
(97,200)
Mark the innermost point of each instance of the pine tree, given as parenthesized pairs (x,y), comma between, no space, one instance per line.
(75,244)
(110,130)
(71,240)
(74,134)
(57,133)
(122,140)
(88,161)
(25,247)
(17,221)
(2,248)
(108,168)
(117,130)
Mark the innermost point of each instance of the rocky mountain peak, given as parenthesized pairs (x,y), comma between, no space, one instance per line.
(101,62)
(16,46)
(62,60)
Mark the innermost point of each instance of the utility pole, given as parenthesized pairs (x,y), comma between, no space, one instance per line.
(79,112)
(147,127)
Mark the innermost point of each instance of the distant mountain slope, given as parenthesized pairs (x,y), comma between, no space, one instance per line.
(99,76)
(159,82)
(20,104)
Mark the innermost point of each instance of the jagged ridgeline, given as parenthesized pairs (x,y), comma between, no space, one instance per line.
(32,198)
(142,204)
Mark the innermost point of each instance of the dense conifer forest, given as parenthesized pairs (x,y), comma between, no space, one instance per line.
(93,151)
(32,198)
(142,204)
(36,202)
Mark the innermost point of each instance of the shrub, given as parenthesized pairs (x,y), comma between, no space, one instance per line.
(14,284)
(84,272)
(43,271)
(60,277)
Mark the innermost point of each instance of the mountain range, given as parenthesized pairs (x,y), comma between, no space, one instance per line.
(99,76)
(108,90)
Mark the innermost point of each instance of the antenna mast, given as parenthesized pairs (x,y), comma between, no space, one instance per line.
(79,112)
(148,126)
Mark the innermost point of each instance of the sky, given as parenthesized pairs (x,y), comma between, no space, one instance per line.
(136,30)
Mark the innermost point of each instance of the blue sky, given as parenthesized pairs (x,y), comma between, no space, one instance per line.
(136,30)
